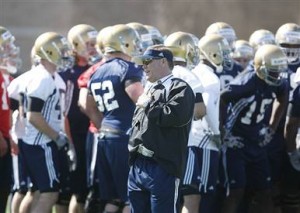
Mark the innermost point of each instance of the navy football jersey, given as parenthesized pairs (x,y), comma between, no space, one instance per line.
(295,102)
(248,98)
(107,86)
(78,121)
(229,73)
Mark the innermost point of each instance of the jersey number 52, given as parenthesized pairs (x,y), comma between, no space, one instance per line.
(106,100)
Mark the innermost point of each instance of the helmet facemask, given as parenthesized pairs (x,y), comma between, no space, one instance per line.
(192,56)
(288,38)
(132,47)
(11,64)
(292,54)
(10,56)
(226,52)
(227,59)
(85,47)
(66,60)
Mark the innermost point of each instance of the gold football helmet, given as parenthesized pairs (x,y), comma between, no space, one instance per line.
(222,29)
(288,38)
(212,48)
(82,37)
(261,37)
(9,52)
(54,48)
(156,36)
(144,35)
(270,64)
(243,52)
(183,48)
(121,38)
(99,40)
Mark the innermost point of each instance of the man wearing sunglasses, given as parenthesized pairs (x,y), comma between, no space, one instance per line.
(158,141)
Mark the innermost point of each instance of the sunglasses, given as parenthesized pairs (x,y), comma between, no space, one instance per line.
(148,61)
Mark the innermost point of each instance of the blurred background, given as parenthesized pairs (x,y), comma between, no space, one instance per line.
(27,19)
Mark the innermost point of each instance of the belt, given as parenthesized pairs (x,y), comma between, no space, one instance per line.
(145,152)
(111,131)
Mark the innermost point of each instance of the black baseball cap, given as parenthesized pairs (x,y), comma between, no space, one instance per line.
(154,54)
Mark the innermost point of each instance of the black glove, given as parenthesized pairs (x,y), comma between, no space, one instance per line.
(61,140)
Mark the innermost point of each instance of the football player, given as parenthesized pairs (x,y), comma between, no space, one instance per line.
(288,38)
(82,37)
(45,119)
(231,68)
(200,177)
(185,57)
(243,53)
(290,183)
(93,133)
(22,183)
(115,87)
(244,104)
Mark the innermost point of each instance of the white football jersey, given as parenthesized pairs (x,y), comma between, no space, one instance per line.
(50,89)
(189,77)
(18,85)
(208,125)
(15,88)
